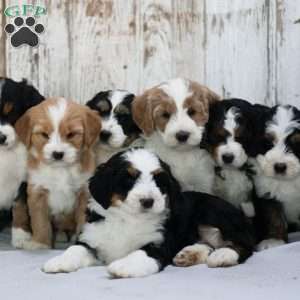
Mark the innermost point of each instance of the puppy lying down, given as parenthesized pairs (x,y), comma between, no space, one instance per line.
(139,222)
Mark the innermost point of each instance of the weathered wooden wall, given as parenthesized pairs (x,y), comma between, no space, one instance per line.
(242,48)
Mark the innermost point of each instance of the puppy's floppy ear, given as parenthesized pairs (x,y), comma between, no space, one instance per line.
(31,95)
(142,113)
(23,128)
(100,185)
(204,94)
(92,124)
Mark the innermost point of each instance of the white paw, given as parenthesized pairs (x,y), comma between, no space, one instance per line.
(269,243)
(19,237)
(33,245)
(93,205)
(71,260)
(223,257)
(136,264)
(192,255)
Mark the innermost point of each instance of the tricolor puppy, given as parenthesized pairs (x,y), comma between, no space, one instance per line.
(141,220)
(172,117)
(59,135)
(15,99)
(229,138)
(118,128)
(277,182)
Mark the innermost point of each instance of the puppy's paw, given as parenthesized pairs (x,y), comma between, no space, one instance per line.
(20,237)
(192,255)
(71,260)
(223,257)
(136,264)
(33,245)
(269,243)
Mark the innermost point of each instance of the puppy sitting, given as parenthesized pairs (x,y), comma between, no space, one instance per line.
(172,117)
(277,182)
(229,138)
(15,99)
(144,221)
(60,136)
(118,128)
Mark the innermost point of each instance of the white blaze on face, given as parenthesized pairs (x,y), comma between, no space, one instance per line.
(231,147)
(145,186)
(55,143)
(178,90)
(110,123)
(281,126)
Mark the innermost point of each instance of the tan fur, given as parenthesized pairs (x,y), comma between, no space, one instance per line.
(149,109)
(79,127)
(8,107)
(39,214)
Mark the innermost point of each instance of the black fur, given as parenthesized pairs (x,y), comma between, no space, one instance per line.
(188,211)
(125,120)
(20,95)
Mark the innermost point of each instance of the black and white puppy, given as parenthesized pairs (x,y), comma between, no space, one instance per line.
(229,138)
(15,99)
(144,220)
(119,131)
(277,182)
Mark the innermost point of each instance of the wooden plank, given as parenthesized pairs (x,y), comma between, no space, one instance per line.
(103,46)
(156,42)
(288,57)
(2,39)
(189,39)
(236,48)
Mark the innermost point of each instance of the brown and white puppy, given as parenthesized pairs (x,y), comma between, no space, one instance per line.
(172,117)
(60,136)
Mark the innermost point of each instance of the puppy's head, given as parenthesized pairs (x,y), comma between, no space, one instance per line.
(57,131)
(135,179)
(229,132)
(15,99)
(118,127)
(178,110)
(278,145)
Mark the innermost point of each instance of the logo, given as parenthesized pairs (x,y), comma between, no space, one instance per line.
(24,30)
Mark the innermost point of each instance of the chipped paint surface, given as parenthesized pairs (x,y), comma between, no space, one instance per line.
(239,48)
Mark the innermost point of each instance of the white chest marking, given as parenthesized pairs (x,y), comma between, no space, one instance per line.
(63,184)
(13,172)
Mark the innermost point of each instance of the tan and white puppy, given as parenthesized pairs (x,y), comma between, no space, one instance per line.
(60,136)
(172,117)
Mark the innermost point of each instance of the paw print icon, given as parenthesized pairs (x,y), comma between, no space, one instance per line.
(24,32)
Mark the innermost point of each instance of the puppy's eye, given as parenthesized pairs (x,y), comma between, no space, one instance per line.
(44,135)
(269,138)
(166,115)
(191,112)
(70,135)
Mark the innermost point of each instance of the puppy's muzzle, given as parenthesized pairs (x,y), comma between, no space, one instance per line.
(182,136)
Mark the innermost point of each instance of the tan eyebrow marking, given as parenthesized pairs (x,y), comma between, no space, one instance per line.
(7,108)
(157,171)
(133,172)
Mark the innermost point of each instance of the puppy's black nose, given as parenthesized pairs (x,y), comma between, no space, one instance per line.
(105,135)
(280,168)
(58,155)
(2,138)
(147,202)
(182,136)
(228,158)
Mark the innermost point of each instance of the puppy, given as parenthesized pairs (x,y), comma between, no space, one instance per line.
(15,99)
(144,220)
(172,117)
(277,182)
(229,138)
(59,136)
(118,128)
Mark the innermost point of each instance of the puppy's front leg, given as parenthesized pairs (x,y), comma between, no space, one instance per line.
(74,258)
(40,219)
